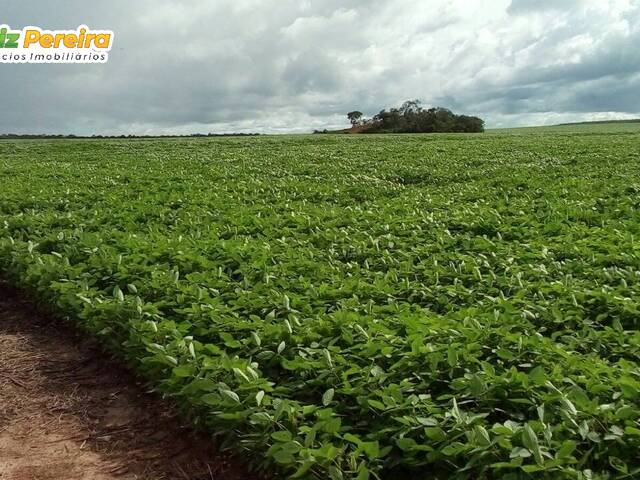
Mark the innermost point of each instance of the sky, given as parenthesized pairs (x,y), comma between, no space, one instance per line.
(180,67)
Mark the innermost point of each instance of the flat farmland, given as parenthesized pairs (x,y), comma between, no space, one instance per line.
(354,307)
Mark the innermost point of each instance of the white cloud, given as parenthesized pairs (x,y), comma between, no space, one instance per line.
(250,65)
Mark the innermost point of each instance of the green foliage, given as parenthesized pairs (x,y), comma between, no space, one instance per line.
(412,118)
(354,117)
(356,307)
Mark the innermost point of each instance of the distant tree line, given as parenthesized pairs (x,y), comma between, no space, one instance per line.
(54,136)
(411,117)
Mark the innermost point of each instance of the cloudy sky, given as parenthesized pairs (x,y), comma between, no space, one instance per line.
(295,65)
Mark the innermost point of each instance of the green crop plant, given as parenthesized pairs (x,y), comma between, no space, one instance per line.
(355,307)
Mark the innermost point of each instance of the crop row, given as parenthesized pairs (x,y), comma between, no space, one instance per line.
(378,307)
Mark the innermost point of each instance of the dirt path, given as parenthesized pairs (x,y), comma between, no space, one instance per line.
(67,413)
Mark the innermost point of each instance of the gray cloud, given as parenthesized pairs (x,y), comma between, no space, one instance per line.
(295,65)
(518,7)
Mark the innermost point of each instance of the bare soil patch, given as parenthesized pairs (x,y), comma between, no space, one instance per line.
(67,412)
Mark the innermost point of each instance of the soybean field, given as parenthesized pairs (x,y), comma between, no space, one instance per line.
(355,306)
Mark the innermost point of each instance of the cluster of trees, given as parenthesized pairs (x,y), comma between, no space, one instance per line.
(412,118)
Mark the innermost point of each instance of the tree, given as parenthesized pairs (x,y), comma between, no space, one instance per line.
(412,118)
(411,107)
(354,117)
